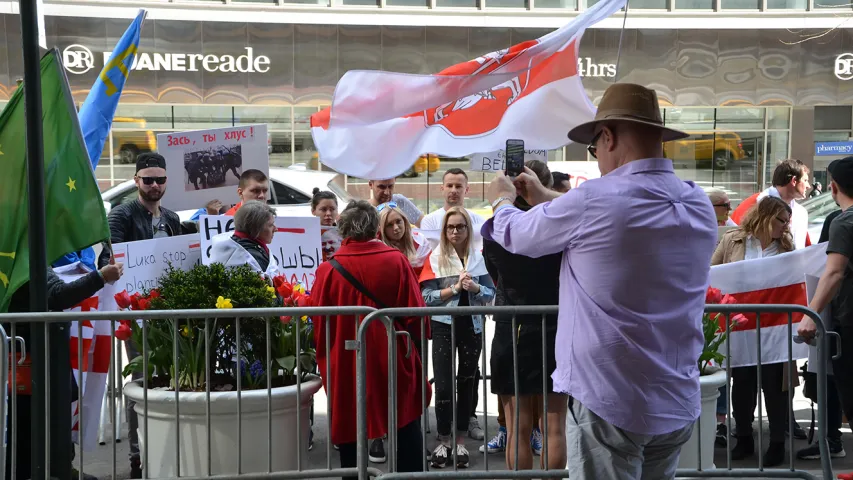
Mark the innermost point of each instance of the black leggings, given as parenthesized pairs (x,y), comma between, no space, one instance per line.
(410,451)
(745,398)
(468,346)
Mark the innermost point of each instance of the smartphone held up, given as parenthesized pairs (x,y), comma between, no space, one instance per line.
(514,163)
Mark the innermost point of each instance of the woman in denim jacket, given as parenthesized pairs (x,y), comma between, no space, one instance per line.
(455,275)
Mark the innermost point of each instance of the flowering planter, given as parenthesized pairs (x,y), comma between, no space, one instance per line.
(710,388)
(223,430)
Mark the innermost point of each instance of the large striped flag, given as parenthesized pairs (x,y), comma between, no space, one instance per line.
(780,279)
(381,122)
(91,375)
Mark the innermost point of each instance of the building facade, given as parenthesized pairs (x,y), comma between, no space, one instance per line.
(754,81)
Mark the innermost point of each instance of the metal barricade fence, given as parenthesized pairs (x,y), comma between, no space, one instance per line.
(387,316)
(238,316)
(365,317)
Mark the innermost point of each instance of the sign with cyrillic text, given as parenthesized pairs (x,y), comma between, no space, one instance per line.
(203,165)
(295,245)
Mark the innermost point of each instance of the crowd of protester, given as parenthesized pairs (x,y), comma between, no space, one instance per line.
(591,250)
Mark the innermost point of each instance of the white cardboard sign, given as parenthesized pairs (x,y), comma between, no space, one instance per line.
(494,161)
(146,260)
(295,246)
(203,165)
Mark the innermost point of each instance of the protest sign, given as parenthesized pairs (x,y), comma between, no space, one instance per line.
(494,161)
(295,246)
(331,240)
(146,260)
(203,165)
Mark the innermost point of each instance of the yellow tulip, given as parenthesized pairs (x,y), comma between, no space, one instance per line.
(223,302)
(299,288)
(271,290)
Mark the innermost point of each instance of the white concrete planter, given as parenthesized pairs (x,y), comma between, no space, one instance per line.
(710,387)
(223,430)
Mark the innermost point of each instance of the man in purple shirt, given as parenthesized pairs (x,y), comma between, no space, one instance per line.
(637,246)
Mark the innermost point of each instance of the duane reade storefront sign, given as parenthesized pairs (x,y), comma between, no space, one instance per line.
(79,59)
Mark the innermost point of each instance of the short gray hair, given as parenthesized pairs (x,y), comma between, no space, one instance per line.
(359,221)
(716,194)
(252,217)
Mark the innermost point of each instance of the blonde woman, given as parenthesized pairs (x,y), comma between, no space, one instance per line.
(764,232)
(396,231)
(455,275)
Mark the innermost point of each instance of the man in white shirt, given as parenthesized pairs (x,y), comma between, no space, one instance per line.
(454,186)
(790,183)
(383,192)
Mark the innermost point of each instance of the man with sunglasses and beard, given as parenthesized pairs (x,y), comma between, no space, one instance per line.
(141,219)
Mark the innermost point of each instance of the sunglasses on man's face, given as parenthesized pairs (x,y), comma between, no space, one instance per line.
(152,180)
(591,148)
(727,205)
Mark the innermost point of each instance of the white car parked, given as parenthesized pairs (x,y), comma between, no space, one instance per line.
(290,192)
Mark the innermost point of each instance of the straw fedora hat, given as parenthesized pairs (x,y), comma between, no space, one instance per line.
(627,102)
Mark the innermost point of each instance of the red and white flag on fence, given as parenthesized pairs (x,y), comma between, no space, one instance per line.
(780,279)
(381,122)
(92,374)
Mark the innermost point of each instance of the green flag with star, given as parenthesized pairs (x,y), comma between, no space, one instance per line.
(74,210)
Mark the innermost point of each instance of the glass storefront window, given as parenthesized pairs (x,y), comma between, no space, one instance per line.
(281,151)
(777,150)
(143,116)
(304,150)
(689,118)
(302,118)
(456,3)
(787,4)
(407,3)
(102,171)
(778,117)
(506,3)
(276,118)
(739,118)
(641,4)
(728,160)
(835,117)
(694,4)
(841,136)
(845,4)
(570,4)
(128,144)
(199,117)
(740,4)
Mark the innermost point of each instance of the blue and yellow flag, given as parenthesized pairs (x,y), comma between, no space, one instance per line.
(96,114)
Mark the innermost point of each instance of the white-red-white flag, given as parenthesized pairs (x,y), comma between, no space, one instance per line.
(780,279)
(381,122)
(92,374)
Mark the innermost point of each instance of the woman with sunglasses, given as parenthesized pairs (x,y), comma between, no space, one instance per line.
(455,275)
(765,232)
(395,231)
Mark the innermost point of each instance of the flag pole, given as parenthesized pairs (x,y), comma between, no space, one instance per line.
(621,35)
(44,423)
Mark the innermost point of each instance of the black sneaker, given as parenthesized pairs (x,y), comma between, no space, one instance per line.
(722,432)
(440,456)
(775,455)
(376,454)
(461,456)
(812,452)
(745,447)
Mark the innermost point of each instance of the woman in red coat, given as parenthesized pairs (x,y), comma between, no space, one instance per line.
(386,274)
